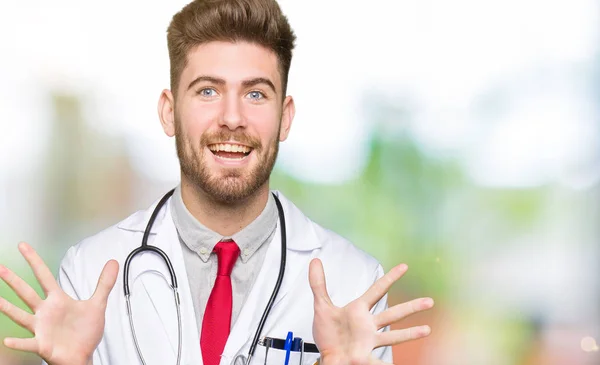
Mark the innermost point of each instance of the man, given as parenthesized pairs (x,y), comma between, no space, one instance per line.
(228,110)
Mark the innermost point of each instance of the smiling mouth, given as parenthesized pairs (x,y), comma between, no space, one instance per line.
(230,151)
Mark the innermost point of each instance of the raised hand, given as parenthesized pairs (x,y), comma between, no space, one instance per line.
(66,331)
(349,334)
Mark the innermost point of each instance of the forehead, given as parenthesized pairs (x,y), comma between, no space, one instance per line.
(232,62)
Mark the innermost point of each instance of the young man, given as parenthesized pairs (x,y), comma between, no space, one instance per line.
(222,229)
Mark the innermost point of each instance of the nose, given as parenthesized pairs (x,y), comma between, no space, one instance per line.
(232,114)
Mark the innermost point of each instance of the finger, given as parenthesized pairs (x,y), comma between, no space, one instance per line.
(383,284)
(21,344)
(21,288)
(397,312)
(390,338)
(40,270)
(316,277)
(17,315)
(106,282)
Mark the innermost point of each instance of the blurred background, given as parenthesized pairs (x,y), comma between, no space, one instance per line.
(460,137)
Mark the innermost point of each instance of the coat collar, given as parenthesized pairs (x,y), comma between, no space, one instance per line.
(137,223)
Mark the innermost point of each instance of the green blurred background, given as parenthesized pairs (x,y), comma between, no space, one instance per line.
(458,137)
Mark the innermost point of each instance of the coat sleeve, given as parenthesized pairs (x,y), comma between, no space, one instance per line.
(382,353)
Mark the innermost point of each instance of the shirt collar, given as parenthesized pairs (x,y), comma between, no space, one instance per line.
(202,240)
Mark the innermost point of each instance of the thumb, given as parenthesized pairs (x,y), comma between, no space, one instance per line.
(316,278)
(107,281)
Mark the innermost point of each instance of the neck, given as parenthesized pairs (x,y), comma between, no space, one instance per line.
(224,218)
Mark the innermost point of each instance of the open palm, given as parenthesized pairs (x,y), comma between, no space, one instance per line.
(66,331)
(348,335)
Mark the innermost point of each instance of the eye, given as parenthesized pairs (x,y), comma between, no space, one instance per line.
(207,92)
(256,95)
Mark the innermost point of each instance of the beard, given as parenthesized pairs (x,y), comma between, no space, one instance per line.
(232,185)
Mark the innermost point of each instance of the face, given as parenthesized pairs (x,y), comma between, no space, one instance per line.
(228,119)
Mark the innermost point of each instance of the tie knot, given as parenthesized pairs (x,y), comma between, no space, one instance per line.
(227,253)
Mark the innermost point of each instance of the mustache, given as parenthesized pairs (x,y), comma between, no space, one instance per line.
(230,136)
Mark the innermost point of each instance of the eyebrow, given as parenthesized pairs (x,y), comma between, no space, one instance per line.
(211,79)
(259,80)
(246,83)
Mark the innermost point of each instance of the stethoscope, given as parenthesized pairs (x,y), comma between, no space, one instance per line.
(145,247)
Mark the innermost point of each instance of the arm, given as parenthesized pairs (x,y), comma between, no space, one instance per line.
(348,335)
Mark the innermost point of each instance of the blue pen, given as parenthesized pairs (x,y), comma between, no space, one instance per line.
(288,347)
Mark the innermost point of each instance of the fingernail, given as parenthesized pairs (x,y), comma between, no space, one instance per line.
(404,267)
(425,330)
(2,269)
(428,302)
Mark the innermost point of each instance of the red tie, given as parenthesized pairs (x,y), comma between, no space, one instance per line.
(217,316)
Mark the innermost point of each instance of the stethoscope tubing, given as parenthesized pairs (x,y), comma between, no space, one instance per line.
(261,324)
(145,247)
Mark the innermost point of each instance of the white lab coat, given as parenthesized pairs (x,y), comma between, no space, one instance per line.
(349,272)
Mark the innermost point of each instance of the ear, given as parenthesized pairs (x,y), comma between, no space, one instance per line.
(166,112)
(287,116)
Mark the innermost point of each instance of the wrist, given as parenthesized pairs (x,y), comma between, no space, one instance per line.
(78,362)
(330,360)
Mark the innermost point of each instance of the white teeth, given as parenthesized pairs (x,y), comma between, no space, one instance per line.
(226,147)
(232,158)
